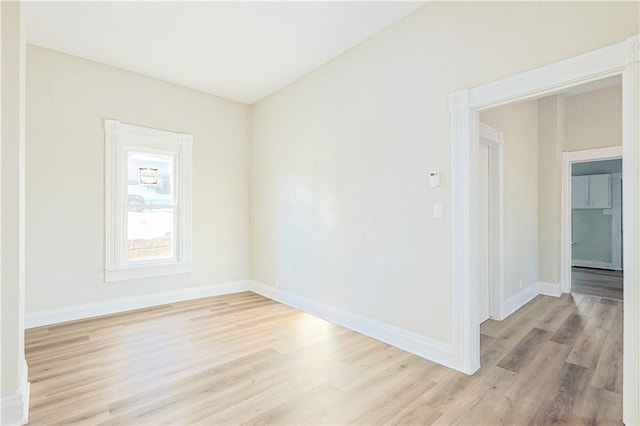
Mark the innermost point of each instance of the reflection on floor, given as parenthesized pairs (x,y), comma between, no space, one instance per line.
(597,282)
(243,359)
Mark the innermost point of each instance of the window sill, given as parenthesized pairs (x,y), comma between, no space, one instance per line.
(147,271)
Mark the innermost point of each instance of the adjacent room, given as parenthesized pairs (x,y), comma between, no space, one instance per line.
(596,217)
(260,213)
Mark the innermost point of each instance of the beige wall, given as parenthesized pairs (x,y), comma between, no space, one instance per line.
(341,208)
(533,222)
(573,123)
(519,124)
(551,129)
(594,119)
(12,276)
(67,100)
(533,211)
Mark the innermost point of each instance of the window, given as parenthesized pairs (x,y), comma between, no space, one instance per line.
(148,202)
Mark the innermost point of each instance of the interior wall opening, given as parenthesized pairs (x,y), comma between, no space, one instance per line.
(580,130)
(596,228)
(615,61)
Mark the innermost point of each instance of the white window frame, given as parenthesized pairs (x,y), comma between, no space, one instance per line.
(121,138)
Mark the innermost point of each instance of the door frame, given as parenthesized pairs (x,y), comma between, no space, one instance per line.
(494,139)
(618,59)
(569,158)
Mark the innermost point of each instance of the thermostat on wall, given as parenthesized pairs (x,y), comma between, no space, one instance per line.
(434,179)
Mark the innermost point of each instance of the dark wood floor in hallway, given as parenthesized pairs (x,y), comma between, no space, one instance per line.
(597,282)
(244,359)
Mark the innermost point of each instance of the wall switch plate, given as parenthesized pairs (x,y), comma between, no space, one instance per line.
(438,211)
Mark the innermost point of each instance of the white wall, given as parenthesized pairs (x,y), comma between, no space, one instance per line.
(519,124)
(341,209)
(67,100)
(14,385)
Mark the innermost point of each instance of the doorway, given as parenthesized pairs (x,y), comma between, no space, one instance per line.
(618,59)
(592,217)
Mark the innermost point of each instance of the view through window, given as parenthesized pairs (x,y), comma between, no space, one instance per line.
(150,206)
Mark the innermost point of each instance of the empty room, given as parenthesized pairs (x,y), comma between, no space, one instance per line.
(310,212)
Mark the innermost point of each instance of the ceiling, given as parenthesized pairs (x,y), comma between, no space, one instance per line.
(596,167)
(242,51)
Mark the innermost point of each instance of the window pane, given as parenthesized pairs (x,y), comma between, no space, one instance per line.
(149,179)
(149,233)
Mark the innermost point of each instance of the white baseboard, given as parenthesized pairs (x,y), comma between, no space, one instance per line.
(518,300)
(112,306)
(411,342)
(406,340)
(14,409)
(549,289)
(591,264)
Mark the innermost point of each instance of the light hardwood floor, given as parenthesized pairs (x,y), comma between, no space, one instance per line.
(243,359)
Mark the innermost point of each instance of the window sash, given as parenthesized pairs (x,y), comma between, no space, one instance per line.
(121,140)
(174,237)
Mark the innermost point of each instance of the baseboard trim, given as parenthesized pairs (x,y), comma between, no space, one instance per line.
(518,300)
(112,306)
(414,343)
(411,342)
(14,409)
(549,289)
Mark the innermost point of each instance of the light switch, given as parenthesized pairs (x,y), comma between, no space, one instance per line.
(437,211)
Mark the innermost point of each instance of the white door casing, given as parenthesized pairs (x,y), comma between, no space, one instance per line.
(618,59)
(492,240)
(484,261)
(616,228)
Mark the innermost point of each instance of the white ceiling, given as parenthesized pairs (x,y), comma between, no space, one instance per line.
(238,50)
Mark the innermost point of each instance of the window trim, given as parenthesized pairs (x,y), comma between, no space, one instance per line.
(117,268)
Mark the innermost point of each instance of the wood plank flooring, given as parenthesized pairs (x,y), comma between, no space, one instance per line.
(597,282)
(244,359)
